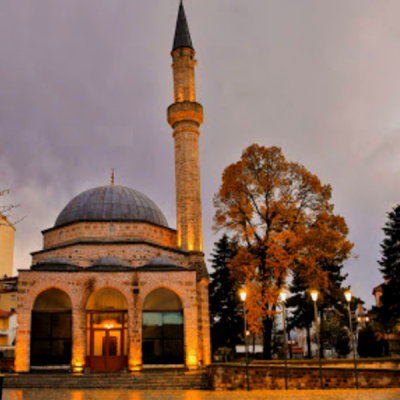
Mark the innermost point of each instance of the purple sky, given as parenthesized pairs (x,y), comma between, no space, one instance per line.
(84,86)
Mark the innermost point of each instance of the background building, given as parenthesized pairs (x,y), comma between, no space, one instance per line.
(7,237)
(8,288)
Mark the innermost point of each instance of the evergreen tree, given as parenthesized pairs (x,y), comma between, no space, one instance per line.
(226,319)
(331,297)
(368,345)
(302,312)
(389,312)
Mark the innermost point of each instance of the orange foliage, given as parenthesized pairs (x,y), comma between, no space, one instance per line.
(281,216)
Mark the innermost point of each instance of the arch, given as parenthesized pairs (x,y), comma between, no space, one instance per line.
(107,299)
(52,299)
(162,299)
(162,328)
(107,330)
(51,328)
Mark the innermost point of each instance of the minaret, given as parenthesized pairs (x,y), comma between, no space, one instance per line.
(185,116)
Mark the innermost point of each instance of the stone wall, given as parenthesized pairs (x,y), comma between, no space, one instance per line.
(135,286)
(233,377)
(136,254)
(110,231)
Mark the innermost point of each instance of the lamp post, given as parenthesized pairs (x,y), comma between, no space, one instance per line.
(314,296)
(348,298)
(283,297)
(243,295)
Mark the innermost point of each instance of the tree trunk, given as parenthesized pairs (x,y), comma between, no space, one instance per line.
(308,341)
(267,338)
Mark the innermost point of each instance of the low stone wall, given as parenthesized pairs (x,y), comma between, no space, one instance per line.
(233,377)
(363,363)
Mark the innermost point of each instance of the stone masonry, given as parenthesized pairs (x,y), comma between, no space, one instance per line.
(185,116)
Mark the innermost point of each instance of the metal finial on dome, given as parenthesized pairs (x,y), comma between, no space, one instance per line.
(112,176)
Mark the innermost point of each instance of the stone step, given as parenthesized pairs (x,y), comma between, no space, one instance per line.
(141,381)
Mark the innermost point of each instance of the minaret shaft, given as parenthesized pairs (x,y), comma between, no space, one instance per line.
(185,116)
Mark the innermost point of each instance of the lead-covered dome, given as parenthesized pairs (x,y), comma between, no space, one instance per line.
(111,204)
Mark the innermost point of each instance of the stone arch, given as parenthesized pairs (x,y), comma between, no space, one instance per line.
(52,298)
(163,296)
(177,289)
(51,328)
(107,329)
(162,327)
(107,297)
(42,287)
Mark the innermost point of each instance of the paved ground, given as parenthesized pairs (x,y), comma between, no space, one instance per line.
(40,394)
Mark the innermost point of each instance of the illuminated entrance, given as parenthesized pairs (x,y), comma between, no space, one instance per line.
(162,328)
(107,323)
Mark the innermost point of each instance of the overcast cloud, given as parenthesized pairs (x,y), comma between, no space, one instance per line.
(84,87)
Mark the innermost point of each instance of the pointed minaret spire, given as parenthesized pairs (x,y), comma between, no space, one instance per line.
(182,33)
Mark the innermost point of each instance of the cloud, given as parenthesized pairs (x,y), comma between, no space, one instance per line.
(84,87)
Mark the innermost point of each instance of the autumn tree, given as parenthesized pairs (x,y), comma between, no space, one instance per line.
(226,320)
(283,220)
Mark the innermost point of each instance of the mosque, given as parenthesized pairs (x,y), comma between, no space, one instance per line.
(114,287)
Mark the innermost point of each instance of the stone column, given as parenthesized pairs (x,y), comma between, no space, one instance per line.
(191,335)
(204,322)
(79,322)
(135,333)
(23,341)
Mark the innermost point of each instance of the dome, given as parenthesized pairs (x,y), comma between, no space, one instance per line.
(110,264)
(110,261)
(161,261)
(161,264)
(56,260)
(111,204)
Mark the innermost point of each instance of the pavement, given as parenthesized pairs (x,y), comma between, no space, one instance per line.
(93,394)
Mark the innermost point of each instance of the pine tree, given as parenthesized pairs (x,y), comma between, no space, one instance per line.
(331,297)
(226,320)
(302,313)
(389,312)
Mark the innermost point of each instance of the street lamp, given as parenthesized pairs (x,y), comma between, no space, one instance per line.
(348,296)
(243,296)
(283,297)
(314,296)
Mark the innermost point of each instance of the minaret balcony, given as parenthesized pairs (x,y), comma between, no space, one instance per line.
(185,111)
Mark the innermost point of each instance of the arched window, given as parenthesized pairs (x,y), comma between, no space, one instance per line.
(163,328)
(162,299)
(107,337)
(51,333)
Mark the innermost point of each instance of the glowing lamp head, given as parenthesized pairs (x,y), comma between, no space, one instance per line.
(347,294)
(243,294)
(109,324)
(367,319)
(314,295)
(283,296)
